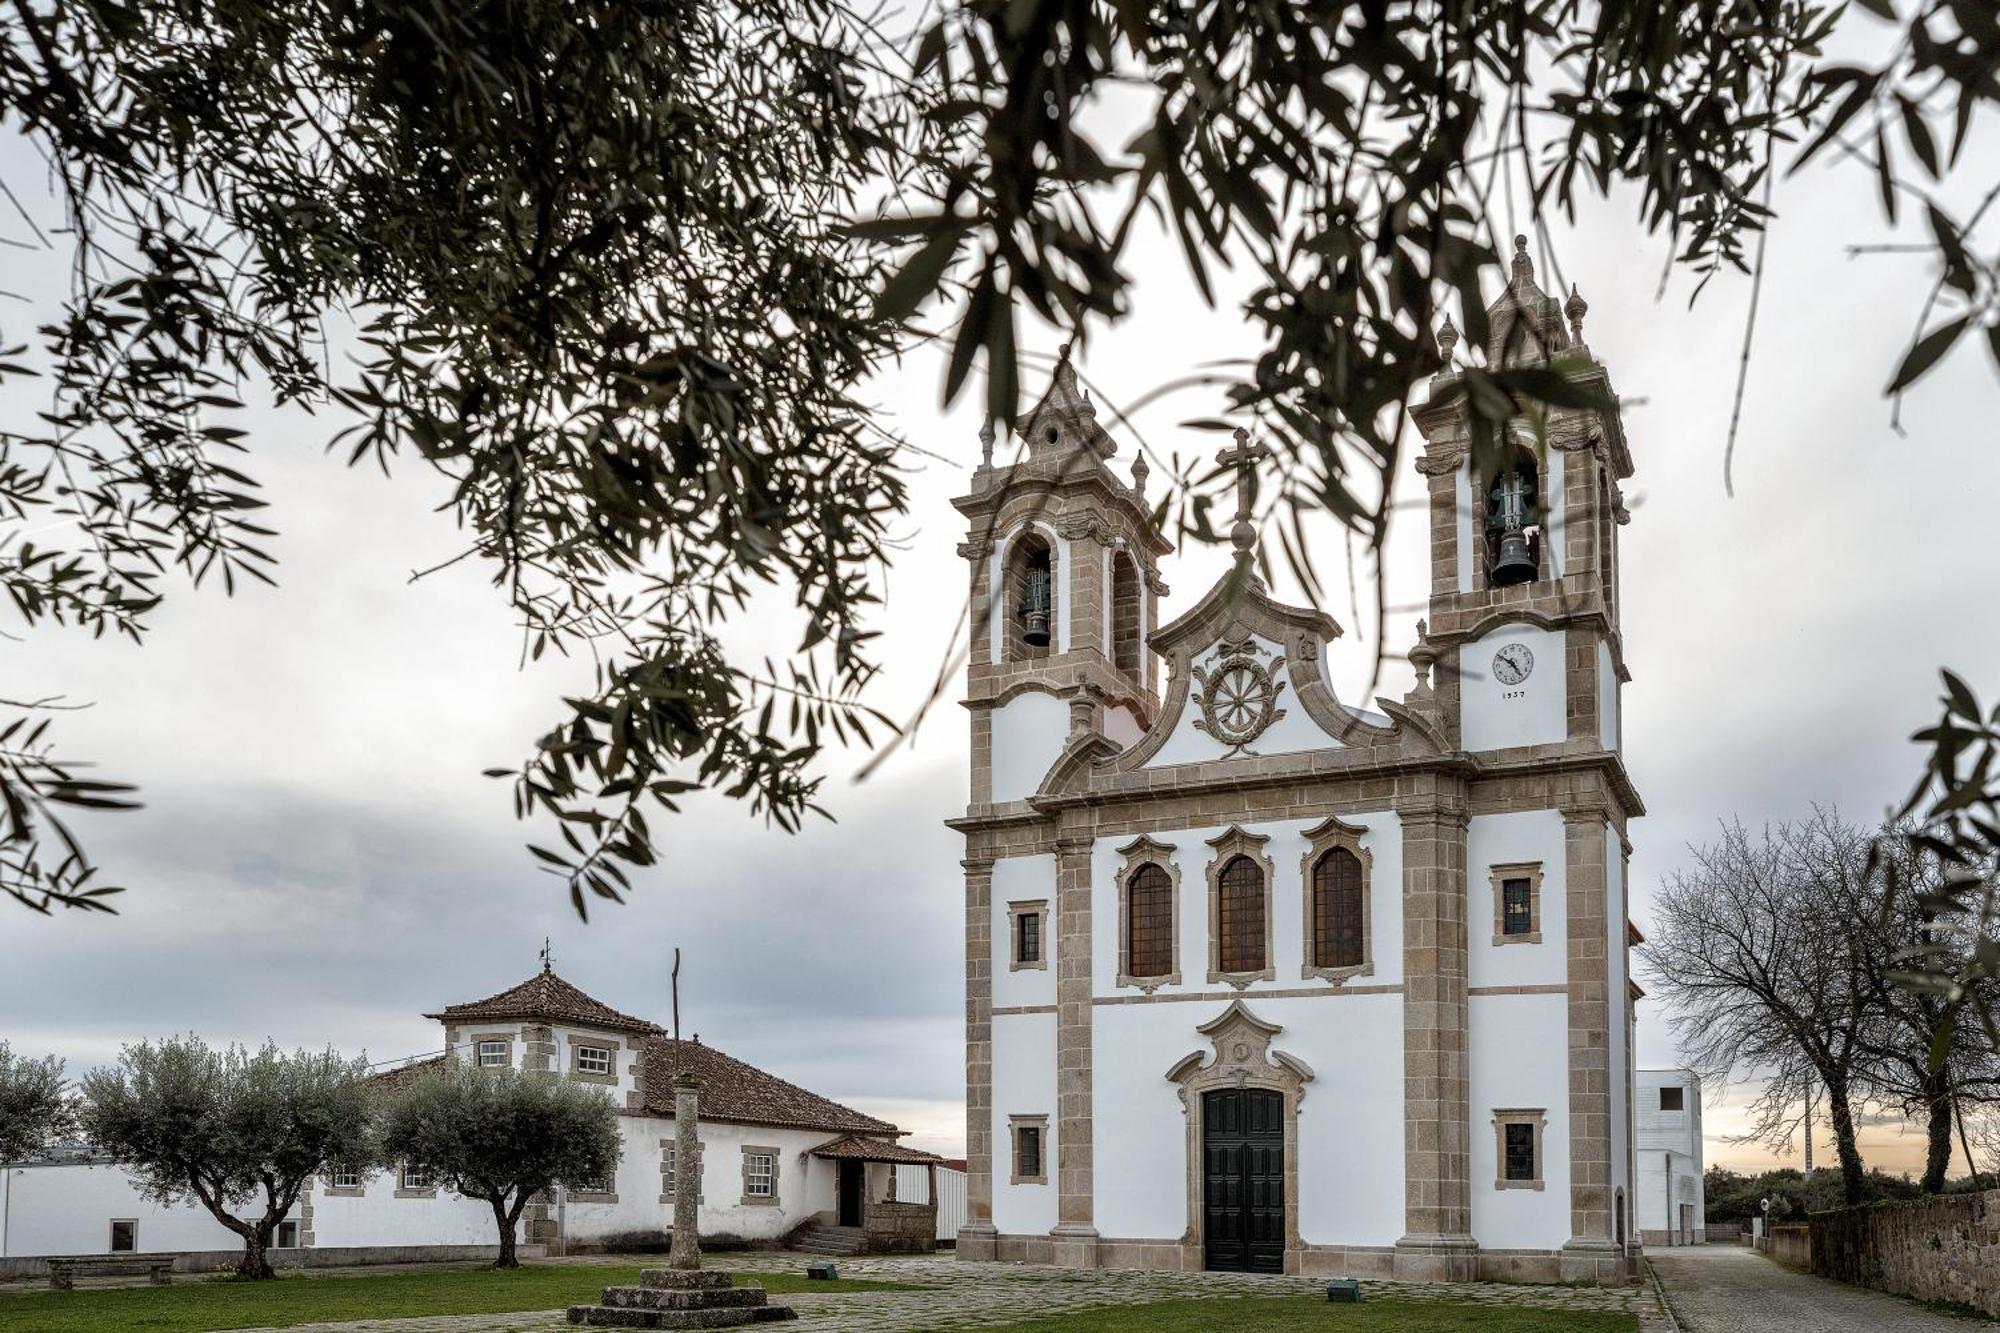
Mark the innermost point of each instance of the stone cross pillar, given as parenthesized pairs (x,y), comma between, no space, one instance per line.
(686,1250)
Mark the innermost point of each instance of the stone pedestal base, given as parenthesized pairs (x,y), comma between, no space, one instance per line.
(979,1243)
(1076,1246)
(1436,1259)
(674,1298)
(1593,1261)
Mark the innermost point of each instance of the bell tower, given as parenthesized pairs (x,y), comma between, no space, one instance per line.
(1524,545)
(1065,590)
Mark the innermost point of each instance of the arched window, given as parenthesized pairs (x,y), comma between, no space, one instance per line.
(1028,598)
(1336,910)
(1149,921)
(1240,930)
(1125,594)
(1512,512)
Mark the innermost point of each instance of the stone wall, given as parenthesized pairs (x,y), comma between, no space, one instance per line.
(900,1228)
(344,1256)
(1790,1244)
(1936,1249)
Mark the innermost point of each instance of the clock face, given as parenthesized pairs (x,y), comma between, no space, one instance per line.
(1512,664)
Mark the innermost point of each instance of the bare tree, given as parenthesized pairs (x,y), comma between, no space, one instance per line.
(1758,963)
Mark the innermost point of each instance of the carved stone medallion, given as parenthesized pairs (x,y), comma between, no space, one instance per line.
(1239,694)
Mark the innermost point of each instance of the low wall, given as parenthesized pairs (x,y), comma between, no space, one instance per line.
(1791,1243)
(890,1227)
(211,1261)
(1945,1248)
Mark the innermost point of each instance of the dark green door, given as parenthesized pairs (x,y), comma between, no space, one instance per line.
(1243,1180)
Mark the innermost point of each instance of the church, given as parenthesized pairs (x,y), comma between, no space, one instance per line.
(1258,978)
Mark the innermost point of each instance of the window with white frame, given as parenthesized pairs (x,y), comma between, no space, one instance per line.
(494,1053)
(590,1185)
(288,1235)
(416,1178)
(124,1234)
(344,1178)
(760,1175)
(593,1060)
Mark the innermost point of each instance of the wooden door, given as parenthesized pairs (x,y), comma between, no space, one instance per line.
(1243,1180)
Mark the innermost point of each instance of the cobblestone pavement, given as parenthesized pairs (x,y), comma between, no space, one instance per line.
(970,1296)
(1734,1289)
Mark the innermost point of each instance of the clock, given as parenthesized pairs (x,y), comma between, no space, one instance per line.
(1513,663)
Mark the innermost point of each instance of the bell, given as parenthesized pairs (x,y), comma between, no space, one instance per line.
(1510,518)
(1517,560)
(1035,610)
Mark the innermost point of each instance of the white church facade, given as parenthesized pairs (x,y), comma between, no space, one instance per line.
(1262,979)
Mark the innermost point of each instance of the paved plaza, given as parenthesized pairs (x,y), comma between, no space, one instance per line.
(968,1296)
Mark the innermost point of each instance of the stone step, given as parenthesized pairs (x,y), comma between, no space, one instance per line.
(609,1316)
(684,1298)
(679,1278)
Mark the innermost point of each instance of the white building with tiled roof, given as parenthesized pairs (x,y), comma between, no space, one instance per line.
(777,1162)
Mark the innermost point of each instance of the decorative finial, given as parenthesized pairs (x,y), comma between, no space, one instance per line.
(986,444)
(1422,657)
(1575,308)
(548,956)
(1244,456)
(1139,474)
(1524,267)
(1065,352)
(1447,340)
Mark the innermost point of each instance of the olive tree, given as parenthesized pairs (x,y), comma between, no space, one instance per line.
(35,1106)
(238,1131)
(501,1136)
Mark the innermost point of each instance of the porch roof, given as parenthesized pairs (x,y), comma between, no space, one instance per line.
(855,1148)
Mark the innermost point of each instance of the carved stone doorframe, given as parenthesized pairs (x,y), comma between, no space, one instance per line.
(1241,1058)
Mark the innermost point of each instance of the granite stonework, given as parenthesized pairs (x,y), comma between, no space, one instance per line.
(1246,750)
(676,1298)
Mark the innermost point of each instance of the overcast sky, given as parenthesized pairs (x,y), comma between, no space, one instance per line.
(319,860)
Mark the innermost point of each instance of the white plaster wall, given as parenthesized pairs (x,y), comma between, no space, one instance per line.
(378,1217)
(1668,1179)
(624,1059)
(1024,1083)
(1293,732)
(996,578)
(1023,879)
(1680,1130)
(1350,1121)
(1382,839)
(1122,726)
(1490,840)
(1028,732)
(1518,1049)
(805,1184)
(1497,716)
(67,1208)
(1607,696)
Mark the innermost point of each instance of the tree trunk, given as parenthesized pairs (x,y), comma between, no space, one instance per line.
(505,1220)
(1852,1187)
(256,1262)
(1937,1155)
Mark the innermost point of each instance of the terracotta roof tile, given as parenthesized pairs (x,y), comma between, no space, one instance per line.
(732,1090)
(548,997)
(854,1148)
(391,1079)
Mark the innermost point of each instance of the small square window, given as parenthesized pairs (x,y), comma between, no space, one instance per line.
(760,1175)
(124,1234)
(287,1237)
(1673,1099)
(416,1178)
(590,1186)
(1520,1151)
(493,1053)
(593,1060)
(1517,909)
(344,1178)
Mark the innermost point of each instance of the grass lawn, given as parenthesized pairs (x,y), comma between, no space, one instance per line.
(192,1304)
(1296,1314)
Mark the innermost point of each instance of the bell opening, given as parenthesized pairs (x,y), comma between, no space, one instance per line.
(1031,589)
(1513,527)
